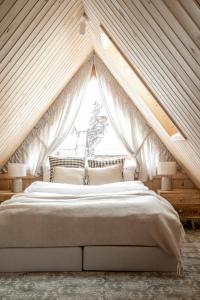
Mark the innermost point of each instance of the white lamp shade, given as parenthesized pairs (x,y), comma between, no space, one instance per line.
(166,168)
(16,170)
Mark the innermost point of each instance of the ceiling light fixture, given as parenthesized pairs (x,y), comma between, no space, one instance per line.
(83,20)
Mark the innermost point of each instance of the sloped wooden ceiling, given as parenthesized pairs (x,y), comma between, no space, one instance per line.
(161,39)
(40,50)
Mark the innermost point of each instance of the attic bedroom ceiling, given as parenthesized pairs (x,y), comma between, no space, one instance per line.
(41,49)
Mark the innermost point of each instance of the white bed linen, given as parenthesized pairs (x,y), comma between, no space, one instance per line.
(72,189)
(125,213)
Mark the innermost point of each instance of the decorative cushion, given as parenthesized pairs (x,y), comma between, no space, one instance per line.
(130,167)
(100,163)
(67,162)
(105,175)
(69,175)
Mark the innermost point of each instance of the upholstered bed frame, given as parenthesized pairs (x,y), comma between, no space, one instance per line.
(89,258)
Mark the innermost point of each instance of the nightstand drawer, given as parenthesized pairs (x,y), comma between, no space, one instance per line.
(182,198)
(186,202)
(187,196)
(188,210)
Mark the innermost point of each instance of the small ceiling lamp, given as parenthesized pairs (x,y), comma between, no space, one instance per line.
(83,20)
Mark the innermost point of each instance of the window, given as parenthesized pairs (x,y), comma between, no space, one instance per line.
(132,79)
(92,133)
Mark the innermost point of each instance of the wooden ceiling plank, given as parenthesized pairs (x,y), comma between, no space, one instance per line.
(5,7)
(140,51)
(11,15)
(128,88)
(34,80)
(165,48)
(184,125)
(19,25)
(193,10)
(170,40)
(33,68)
(38,51)
(28,41)
(10,130)
(34,87)
(40,103)
(104,13)
(182,145)
(182,24)
(170,69)
(162,54)
(197,118)
(40,97)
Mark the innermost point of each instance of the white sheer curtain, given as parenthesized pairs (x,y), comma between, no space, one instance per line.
(130,126)
(56,123)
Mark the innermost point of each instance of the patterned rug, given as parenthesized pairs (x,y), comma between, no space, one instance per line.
(109,285)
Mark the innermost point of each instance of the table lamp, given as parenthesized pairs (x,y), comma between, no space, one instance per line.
(166,169)
(17,170)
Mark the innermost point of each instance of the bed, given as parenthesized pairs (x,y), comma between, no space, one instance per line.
(112,227)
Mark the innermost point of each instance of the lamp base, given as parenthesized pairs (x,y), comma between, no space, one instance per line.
(17,185)
(166,183)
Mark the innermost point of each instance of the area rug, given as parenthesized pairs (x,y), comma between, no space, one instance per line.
(109,285)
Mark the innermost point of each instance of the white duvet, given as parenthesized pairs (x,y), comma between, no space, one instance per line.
(71,189)
(55,215)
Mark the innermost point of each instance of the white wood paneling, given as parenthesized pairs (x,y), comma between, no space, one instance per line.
(162,44)
(40,50)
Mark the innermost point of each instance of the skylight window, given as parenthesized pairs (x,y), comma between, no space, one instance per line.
(133,79)
(106,42)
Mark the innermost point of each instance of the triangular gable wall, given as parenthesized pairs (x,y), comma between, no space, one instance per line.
(43,48)
(38,132)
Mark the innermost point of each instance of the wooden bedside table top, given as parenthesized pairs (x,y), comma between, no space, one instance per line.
(7,192)
(178,191)
(189,196)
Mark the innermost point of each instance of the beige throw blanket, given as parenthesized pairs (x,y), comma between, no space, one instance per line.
(137,217)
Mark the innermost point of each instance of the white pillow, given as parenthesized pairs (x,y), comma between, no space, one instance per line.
(105,175)
(69,175)
(46,173)
(129,169)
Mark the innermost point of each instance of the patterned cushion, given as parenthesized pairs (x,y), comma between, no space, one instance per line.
(67,162)
(100,163)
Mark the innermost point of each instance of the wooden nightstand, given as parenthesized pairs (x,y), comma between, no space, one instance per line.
(5,195)
(186,202)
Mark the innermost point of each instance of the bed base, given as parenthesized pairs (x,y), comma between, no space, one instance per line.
(90,258)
